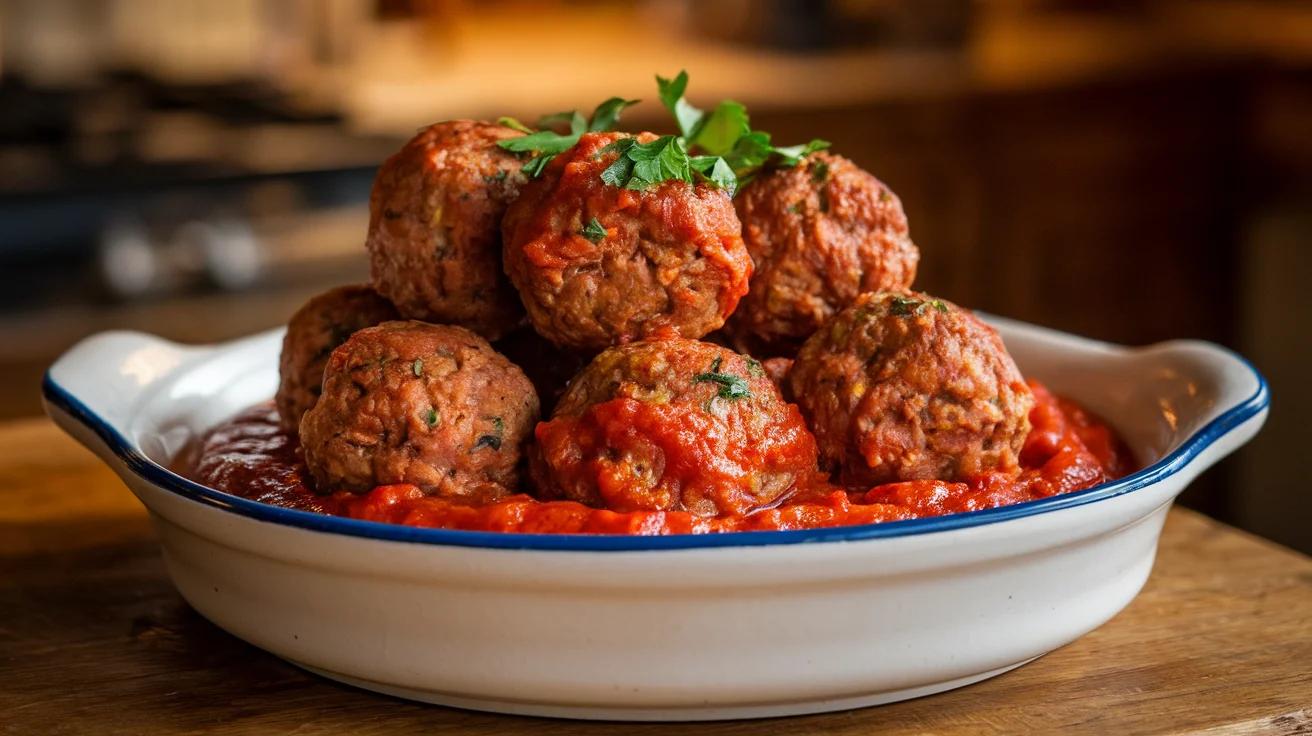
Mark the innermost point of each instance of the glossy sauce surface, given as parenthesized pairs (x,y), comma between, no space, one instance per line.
(1067,450)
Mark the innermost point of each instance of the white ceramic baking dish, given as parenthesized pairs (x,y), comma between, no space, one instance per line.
(665,628)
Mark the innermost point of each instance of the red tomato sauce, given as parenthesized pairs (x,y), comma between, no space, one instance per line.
(1068,449)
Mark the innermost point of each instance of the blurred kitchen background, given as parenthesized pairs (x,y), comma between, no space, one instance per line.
(1132,170)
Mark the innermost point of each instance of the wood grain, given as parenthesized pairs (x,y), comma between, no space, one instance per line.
(93,639)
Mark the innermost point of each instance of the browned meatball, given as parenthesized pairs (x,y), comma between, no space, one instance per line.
(673,424)
(435,227)
(777,369)
(430,405)
(550,368)
(313,332)
(598,265)
(906,386)
(820,234)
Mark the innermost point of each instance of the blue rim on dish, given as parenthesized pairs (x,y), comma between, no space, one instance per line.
(55,395)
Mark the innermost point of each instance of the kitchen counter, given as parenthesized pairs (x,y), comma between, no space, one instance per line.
(94,639)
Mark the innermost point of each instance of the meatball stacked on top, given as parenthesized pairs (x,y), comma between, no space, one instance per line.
(821,233)
(600,265)
(813,262)
(435,227)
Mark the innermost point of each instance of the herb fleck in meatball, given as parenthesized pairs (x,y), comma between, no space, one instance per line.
(435,227)
(673,424)
(820,234)
(906,387)
(313,332)
(430,405)
(599,265)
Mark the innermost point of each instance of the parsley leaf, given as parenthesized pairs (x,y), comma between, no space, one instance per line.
(618,173)
(534,167)
(717,170)
(731,387)
(513,123)
(593,231)
(726,132)
(793,155)
(721,130)
(543,141)
(641,165)
(688,117)
(607,114)
(547,144)
(576,122)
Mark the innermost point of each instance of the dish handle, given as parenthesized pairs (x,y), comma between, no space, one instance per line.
(93,390)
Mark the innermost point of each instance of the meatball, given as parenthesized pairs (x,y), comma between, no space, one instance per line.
(820,234)
(429,405)
(549,368)
(673,424)
(599,265)
(435,227)
(905,387)
(313,332)
(777,369)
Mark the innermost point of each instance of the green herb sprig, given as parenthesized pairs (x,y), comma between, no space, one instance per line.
(727,131)
(548,143)
(594,231)
(728,152)
(641,165)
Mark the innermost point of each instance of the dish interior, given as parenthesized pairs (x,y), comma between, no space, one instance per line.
(1169,402)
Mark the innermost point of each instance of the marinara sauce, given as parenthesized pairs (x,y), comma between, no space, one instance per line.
(1068,449)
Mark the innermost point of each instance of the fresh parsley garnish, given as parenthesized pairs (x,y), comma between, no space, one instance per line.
(593,231)
(731,386)
(515,124)
(641,165)
(547,144)
(728,151)
(727,130)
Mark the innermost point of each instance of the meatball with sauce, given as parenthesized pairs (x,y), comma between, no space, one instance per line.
(435,227)
(313,332)
(429,405)
(599,265)
(820,234)
(671,424)
(903,386)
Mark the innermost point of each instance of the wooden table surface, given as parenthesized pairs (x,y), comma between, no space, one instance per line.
(93,639)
